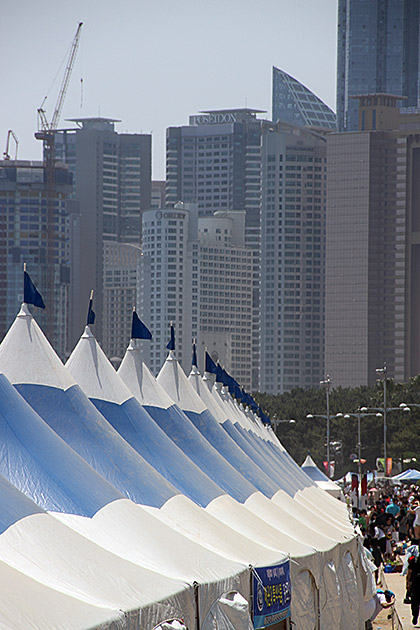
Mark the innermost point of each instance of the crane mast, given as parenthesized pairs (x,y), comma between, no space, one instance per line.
(46,133)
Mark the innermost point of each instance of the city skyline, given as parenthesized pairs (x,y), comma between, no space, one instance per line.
(158,63)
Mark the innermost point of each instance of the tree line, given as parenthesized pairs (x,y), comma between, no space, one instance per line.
(309,435)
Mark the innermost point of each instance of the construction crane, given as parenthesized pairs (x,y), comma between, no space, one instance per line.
(45,125)
(46,133)
(10,134)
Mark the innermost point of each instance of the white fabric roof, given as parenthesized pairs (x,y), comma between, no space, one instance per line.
(127,543)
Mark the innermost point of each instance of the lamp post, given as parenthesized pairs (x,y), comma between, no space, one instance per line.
(384,411)
(327,384)
(275,421)
(359,415)
(327,417)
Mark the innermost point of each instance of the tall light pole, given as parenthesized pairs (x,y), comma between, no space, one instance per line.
(327,384)
(359,415)
(381,372)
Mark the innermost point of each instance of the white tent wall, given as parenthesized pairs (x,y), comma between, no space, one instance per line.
(231,611)
(29,605)
(305,599)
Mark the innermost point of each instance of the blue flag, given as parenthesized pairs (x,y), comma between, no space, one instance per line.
(30,293)
(211,367)
(171,342)
(91,314)
(194,357)
(219,374)
(237,392)
(138,329)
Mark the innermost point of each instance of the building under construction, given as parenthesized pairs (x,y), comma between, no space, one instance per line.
(23,238)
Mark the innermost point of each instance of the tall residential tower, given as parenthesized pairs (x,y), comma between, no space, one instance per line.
(112,184)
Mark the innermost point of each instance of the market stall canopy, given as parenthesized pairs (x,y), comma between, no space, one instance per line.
(409,476)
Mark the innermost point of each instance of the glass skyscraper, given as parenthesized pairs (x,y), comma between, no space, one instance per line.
(378,52)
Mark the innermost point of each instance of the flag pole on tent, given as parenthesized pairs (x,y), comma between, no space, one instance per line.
(31,295)
(90,320)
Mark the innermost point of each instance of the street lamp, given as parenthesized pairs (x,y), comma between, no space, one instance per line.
(381,372)
(275,421)
(310,416)
(359,415)
(327,384)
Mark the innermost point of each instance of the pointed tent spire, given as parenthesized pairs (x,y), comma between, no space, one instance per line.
(138,329)
(171,342)
(30,293)
(91,313)
(194,362)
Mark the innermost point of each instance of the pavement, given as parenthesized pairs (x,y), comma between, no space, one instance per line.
(402,619)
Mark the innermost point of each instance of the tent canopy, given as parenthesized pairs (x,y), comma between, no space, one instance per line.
(410,476)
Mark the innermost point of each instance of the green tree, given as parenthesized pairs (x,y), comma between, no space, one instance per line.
(309,435)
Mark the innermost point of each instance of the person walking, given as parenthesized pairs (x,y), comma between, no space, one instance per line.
(413,585)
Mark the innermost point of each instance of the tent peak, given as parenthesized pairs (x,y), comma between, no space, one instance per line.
(24,311)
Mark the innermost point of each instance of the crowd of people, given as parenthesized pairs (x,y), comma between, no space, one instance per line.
(390,525)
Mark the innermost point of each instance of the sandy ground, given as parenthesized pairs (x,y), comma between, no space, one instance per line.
(396,583)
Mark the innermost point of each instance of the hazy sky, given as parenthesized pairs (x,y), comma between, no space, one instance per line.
(152,63)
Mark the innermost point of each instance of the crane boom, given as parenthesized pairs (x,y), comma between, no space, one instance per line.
(66,78)
(45,125)
(46,132)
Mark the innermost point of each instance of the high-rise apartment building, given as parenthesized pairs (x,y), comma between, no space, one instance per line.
(225,290)
(168,283)
(158,194)
(215,162)
(378,52)
(295,104)
(292,258)
(121,273)
(112,184)
(197,274)
(23,239)
(373,251)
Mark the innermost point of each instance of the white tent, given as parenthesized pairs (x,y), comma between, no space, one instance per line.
(53,474)
(321,479)
(174,381)
(38,546)
(98,379)
(94,500)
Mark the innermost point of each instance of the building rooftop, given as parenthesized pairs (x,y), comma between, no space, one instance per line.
(296,104)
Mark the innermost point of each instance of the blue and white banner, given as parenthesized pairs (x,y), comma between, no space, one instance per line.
(271,594)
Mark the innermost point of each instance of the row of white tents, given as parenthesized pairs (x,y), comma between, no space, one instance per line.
(128,500)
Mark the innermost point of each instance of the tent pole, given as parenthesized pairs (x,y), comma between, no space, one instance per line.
(251,591)
(197,606)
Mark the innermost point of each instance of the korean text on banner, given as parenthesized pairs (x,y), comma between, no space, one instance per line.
(271,594)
